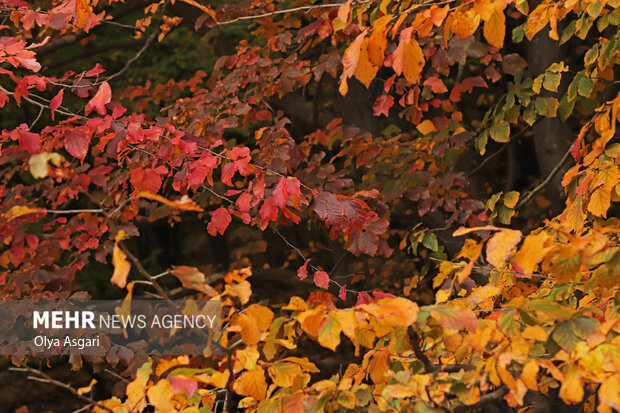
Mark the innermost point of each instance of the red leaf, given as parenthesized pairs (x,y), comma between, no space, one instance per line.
(146,180)
(29,141)
(219,222)
(328,208)
(436,84)
(321,279)
(575,150)
(178,383)
(76,143)
(101,98)
(382,105)
(302,272)
(268,212)
(285,188)
(243,202)
(56,101)
(98,69)
(342,293)
(363,298)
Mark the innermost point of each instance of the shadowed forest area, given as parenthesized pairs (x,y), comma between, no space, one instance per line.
(403,206)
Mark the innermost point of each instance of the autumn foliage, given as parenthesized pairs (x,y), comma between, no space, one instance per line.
(390,155)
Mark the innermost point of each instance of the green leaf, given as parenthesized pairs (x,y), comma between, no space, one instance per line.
(568,333)
(552,81)
(547,107)
(568,32)
(492,201)
(566,107)
(430,242)
(517,34)
(500,132)
(591,55)
(585,86)
(481,142)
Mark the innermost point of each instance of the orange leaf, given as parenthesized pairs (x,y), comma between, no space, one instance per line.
(379,366)
(537,20)
(83,10)
(531,253)
(465,23)
(600,201)
(193,279)
(206,9)
(377,42)
(185,203)
(252,383)
(425,127)
(352,55)
(413,61)
(500,246)
(261,315)
(250,332)
(365,71)
(529,375)
(495,29)
(121,265)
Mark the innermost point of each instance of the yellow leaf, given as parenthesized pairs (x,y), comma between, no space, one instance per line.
(413,61)
(136,389)
(377,42)
(19,210)
(87,389)
(185,203)
(243,291)
(83,10)
(160,395)
(531,253)
(495,29)
(425,127)
(329,333)
(535,333)
(252,383)
(572,389)
(365,71)
(500,246)
(38,163)
(482,293)
(529,375)
(600,201)
(609,392)
(121,265)
(283,373)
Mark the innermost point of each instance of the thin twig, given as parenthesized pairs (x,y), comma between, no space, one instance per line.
(149,43)
(292,10)
(540,187)
(45,378)
(145,273)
